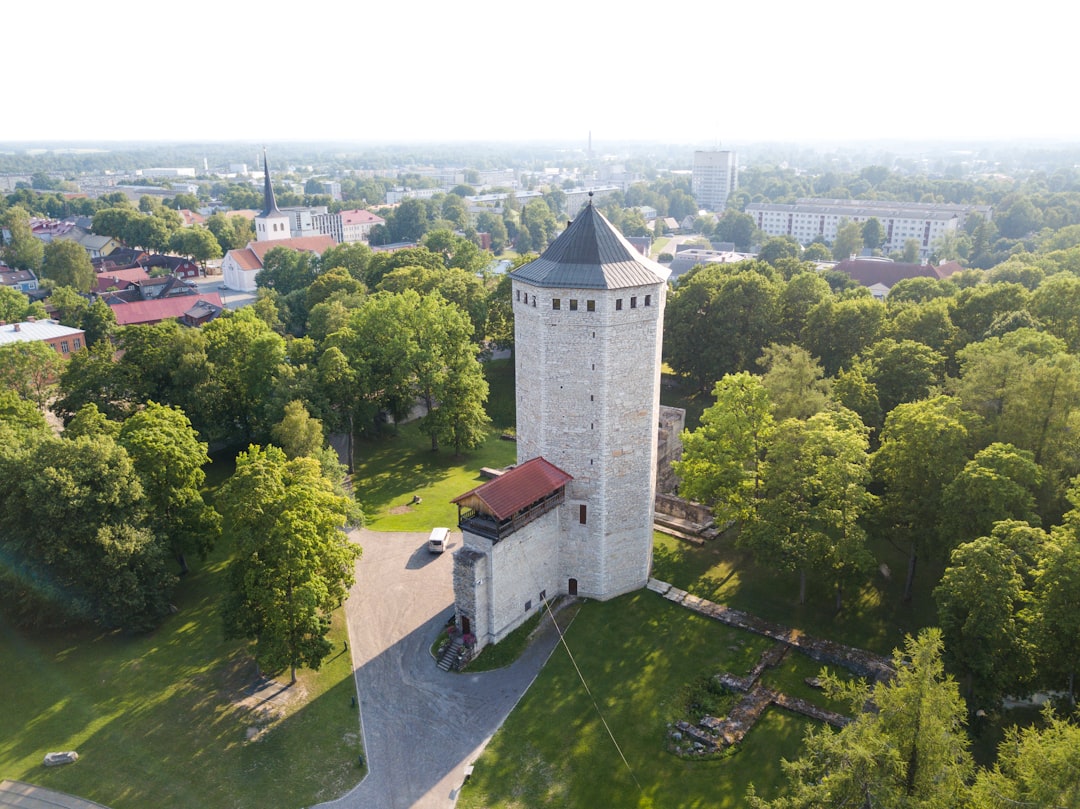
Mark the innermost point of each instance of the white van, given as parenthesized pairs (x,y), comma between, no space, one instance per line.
(438,540)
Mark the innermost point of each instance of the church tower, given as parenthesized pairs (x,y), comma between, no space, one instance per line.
(588,328)
(271,224)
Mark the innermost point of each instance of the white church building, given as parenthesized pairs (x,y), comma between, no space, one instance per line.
(575,515)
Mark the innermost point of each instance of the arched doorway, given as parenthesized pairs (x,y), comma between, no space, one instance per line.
(571,587)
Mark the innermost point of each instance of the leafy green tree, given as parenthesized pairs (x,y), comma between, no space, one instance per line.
(115,222)
(198,243)
(23,250)
(977,307)
(980,599)
(495,227)
(1055,595)
(848,241)
(873,233)
(293,564)
(779,247)
(794,381)
(500,308)
(812,498)
(1056,304)
(722,458)
(353,256)
(1036,766)
(30,370)
(924,445)
(539,223)
(73,537)
(169,460)
(903,371)
(286,270)
(90,421)
(999,483)
(67,264)
(1026,385)
(298,434)
(734,226)
(462,288)
(837,330)
(16,307)
(382,264)
(717,321)
(19,419)
(797,297)
(910,752)
(244,357)
(409,221)
(927,322)
(912,251)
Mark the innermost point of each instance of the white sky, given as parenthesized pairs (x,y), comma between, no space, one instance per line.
(695,71)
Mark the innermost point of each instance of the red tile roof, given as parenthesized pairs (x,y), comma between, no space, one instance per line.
(137,312)
(245,259)
(518,488)
(361,217)
(312,244)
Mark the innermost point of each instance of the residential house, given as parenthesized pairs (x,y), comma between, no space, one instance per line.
(64,339)
(193,309)
(880,274)
(22,280)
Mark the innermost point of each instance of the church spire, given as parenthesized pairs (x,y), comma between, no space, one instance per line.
(269,203)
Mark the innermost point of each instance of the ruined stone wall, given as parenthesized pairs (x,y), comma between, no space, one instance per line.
(669,448)
(683,509)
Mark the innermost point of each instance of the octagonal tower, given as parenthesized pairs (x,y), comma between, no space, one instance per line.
(588,319)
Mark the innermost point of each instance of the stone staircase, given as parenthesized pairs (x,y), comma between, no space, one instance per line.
(450,654)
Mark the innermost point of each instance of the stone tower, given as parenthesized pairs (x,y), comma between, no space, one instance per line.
(588,327)
(270,224)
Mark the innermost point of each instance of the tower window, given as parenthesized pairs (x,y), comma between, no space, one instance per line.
(573,304)
(534,300)
(618,304)
(528,605)
(633,302)
(556,303)
(518,291)
(590,306)
(648,300)
(581,514)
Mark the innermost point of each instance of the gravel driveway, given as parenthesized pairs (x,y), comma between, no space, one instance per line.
(421,726)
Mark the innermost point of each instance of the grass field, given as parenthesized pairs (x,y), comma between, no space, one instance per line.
(163,719)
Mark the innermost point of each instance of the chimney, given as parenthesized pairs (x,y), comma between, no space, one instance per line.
(17,327)
(31,319)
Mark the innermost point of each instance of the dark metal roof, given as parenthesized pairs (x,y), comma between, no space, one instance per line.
(520,487)
(269,203)
(591,254)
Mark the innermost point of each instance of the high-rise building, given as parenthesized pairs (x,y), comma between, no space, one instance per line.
(715,177)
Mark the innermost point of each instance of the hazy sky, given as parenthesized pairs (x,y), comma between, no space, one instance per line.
(681,72)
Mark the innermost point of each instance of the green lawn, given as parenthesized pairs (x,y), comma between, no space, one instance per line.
(157,719)
(398,465)
(637,654)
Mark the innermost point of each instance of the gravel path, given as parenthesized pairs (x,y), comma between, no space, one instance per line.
(422,727)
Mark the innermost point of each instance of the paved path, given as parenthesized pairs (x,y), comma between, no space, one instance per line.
(421,726)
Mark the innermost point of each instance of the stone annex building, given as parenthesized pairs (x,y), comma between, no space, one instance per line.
(575,515)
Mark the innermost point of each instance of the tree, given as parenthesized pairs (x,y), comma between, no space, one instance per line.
(794,381)
(1056,304)
(539,223)
(924,445)
(718,319)
(722,458)
(73,537)
(734,226)
(979,600)
(999,483)
(30,370)
(1036,766)
(837,330)
(16,307)
(801,293)
(67,264)
(1054,605)
(848,241)
(298,434)
(23,250)
(293,564)
(903,371)
(873,234)
(779,247)
(286,270)
(198,243)
(169,460)
(353,256)
(813,496)
(910,752)
(409,221)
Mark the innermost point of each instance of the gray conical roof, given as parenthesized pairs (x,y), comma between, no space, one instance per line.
(591,254)
(269,203)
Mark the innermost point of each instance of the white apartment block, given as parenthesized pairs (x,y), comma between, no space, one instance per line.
(808,219)
(715,176)
(347,226)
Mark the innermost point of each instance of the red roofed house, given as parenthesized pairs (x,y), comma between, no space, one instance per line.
(881,274)
(190,309)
